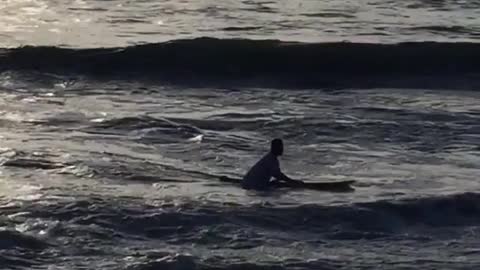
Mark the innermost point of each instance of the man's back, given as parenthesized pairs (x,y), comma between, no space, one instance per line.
(262,172)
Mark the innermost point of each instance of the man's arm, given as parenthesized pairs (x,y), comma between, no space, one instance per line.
(277,174)
(282,177)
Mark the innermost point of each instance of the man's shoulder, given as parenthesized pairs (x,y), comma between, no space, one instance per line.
(270,158)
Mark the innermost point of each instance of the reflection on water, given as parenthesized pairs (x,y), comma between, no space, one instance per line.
(119,22)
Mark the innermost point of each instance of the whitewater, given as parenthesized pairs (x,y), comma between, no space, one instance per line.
(117,119)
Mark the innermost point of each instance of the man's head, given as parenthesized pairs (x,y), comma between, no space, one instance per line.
(276,147)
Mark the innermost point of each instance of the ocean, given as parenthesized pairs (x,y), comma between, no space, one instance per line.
(117,119)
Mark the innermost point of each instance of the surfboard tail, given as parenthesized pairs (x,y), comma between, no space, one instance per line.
(229,179)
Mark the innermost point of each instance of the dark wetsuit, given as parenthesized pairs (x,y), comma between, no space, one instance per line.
(260,175)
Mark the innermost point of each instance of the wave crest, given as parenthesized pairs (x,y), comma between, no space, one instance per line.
(265,62)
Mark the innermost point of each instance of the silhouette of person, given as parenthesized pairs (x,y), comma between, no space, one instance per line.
(260,175)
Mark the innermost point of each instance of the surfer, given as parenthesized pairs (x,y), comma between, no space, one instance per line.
(261,174)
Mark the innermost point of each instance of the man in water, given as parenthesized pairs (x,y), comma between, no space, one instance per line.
(260,175)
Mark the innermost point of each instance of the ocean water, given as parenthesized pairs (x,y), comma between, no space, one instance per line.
(118,117)
(88,23)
